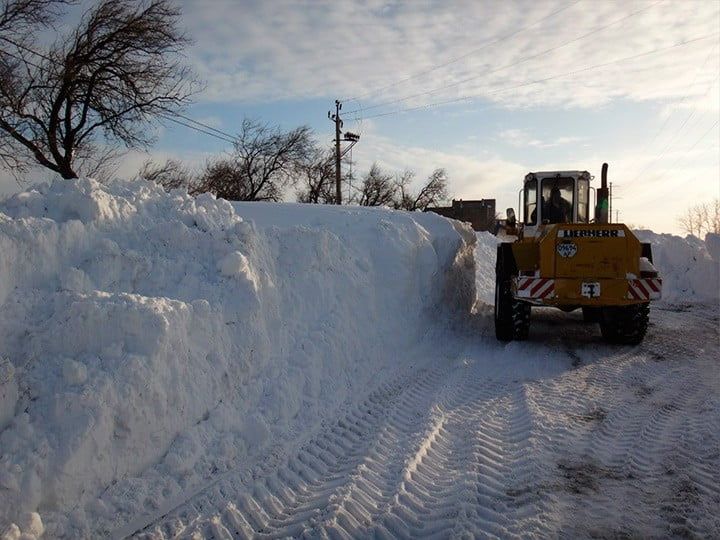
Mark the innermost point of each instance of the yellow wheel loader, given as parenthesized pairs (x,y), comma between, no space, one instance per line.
(564,257)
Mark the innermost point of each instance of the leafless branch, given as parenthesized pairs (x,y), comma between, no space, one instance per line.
(264,161)
(170,175)
(117,71)
(377,188)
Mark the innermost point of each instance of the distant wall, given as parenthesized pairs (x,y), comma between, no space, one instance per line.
(480,214)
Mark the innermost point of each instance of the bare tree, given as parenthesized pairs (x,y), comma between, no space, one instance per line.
(170,175)
(318,178)
(119,69)
(20,21)
(18,17)
(377,188)
(226,178)
(403,199)
(689,223)
(701,218)
(264,162)
(714,218)
(434,191)
(101,163)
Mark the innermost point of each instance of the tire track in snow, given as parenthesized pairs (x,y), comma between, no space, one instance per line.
(447,452)
(496,417)
(503,441)
(315,488)
(643,445)
(472,478)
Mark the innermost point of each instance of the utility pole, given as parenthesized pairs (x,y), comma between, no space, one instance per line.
(338,124)
(352,138)
(617,211)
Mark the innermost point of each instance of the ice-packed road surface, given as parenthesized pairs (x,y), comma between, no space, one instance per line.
(561,435)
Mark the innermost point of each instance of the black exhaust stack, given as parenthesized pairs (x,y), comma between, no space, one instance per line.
(603,198)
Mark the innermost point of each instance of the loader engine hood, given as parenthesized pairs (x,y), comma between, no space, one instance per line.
(590,251)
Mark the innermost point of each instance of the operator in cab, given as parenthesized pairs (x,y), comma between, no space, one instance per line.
(557,209)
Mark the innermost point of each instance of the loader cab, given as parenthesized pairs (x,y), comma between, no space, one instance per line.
(555,197)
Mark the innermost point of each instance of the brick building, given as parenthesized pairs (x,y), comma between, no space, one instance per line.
(480,214)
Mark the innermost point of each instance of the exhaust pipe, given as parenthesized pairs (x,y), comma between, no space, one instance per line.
(603,198)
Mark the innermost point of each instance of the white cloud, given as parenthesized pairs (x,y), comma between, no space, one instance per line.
(652,198)
(292,50)
(522,139)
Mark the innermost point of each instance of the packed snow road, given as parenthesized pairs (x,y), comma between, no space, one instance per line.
(561,435)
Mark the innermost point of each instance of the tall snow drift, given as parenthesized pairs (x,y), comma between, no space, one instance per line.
(150,340)
(690,268)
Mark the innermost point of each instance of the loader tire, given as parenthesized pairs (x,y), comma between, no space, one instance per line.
(512,317)
(591,314)
(625,325)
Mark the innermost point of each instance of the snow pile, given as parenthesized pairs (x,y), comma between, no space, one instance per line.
(712,244)
(485,255)
(690,268)
(151,340)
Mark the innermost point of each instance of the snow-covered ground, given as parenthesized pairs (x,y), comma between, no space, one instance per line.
(189,366)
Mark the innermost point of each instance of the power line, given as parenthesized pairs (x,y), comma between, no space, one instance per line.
(671,167)
(659,156)
(705,134)
(685,96)
(25,60)
(537,81)
(190,126)
(513,64)
(24,48)
(457,59)
(233,138)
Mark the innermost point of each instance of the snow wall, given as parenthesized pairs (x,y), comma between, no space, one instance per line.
(154,333)
(690,267)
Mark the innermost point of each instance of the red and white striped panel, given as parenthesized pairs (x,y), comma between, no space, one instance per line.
(644,289)
(537,288)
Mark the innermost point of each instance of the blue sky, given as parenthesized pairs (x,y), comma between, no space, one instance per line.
(488,90)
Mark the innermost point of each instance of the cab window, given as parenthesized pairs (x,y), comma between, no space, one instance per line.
(583,193)
(557,200)
(531,202)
